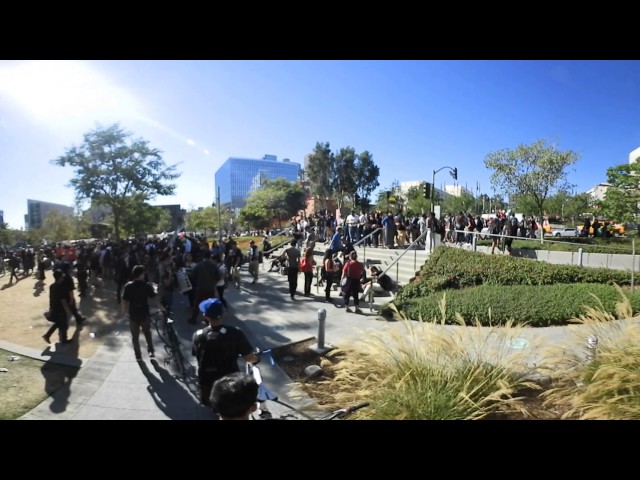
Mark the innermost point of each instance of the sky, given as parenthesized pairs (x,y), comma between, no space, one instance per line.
(413,116)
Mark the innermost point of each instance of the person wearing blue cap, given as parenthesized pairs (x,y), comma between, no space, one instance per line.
(217,348)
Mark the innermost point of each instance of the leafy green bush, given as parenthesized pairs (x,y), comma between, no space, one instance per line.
(571,244)
(537,306)
(475,268)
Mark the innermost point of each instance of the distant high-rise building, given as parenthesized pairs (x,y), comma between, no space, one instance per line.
(237,178)
(634,156)
(406,186)
(1,216)
(457,190)
(37,211)
(598,191)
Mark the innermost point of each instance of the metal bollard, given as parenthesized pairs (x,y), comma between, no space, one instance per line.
(322,316)
(321,348)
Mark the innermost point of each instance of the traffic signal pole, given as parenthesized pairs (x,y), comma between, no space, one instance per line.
(454,174)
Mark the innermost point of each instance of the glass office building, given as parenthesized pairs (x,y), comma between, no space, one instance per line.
(38,211)
(237,178)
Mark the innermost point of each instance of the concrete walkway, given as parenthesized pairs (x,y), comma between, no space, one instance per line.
(111,385)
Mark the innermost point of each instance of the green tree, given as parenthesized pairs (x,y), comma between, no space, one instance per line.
(319,165)
(463,203)
(578,206)
(58,226)
(622,199)
(278,200)
(536,171)
(207,219)
(416,203)
(366,175)
(255,215)
(142,218)
(7,237)
(343,179)
(109,171)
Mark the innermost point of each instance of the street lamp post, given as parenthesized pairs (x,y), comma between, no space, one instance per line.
(454,174)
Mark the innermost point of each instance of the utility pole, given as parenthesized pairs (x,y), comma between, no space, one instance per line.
(219,221)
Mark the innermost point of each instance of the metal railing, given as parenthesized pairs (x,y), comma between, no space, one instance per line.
(412,246)
(273,249)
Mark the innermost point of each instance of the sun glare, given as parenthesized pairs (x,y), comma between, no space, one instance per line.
(61,90)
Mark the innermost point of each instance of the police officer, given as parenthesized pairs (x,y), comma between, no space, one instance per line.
(217,348)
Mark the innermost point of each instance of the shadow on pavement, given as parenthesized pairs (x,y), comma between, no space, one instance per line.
(38,288)
(59,371)
(171,397)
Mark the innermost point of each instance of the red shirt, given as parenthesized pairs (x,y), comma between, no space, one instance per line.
(353,269)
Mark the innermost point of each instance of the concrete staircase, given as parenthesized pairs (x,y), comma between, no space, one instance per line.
(401,272)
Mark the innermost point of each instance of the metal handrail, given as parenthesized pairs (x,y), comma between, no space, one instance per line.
(273,249)
(408,248)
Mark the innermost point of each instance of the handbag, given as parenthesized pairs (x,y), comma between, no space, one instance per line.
(47,315)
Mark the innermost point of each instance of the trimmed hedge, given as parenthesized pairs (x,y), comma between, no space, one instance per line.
(454,268)
(538,306)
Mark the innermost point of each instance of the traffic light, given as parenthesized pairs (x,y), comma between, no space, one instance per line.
(454,173)
(356,199)
(426,192)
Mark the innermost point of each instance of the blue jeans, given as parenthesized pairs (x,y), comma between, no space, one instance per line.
(354,234)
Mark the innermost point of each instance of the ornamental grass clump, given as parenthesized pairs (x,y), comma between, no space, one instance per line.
(598,373)
(424,371)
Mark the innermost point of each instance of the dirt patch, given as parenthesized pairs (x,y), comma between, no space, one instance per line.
(27,382)
(295,357)
(22,321)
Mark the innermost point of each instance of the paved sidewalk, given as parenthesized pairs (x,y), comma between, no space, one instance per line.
(111,385)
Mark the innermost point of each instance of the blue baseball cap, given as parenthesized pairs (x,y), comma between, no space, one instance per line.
(211,307)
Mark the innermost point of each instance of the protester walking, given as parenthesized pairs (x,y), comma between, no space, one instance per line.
(217,348)
(135,304)
(59,311)
(292,255)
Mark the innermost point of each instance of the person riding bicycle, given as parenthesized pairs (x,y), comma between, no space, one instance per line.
(235,396)
(217,347)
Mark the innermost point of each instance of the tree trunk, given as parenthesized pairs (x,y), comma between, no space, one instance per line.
(116,225)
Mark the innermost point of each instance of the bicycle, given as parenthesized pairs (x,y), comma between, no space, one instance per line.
(172,344)
(266,395)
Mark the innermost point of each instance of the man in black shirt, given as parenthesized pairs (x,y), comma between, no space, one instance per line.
(204,278)
(292,255)
(376,282)
(70,286)
(135,302)
(217,348)
(59,310)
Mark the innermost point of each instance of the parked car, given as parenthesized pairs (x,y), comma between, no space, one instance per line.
(564,232)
